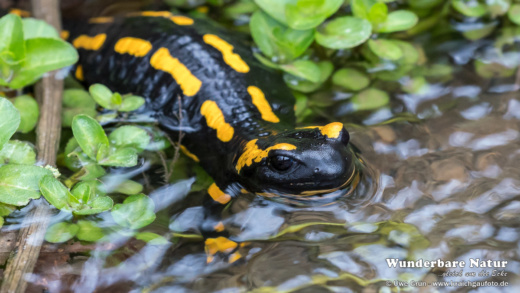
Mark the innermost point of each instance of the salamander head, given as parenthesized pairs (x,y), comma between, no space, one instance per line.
(303,162)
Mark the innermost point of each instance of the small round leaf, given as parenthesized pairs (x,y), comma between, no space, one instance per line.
(344,32)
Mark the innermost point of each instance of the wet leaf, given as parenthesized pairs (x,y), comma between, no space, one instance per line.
(470,8)
(119,157)
(35,28)
(306,86)
(130,136)
(399,20)
(75,102)
(304,69)
(29,112)
(344,32)
(151,238)
(131,103)
(350,79)
(361,8)
(95,206)
(493,69)
(11,34)
(19,183)
(514,13)
(43,55)
(135,212)
(498,7)
(6,209)
(370,99)
(277,40)
(478,33)
(61,232)
(9,122)
(89,231)
(56,193)
(129,187)
(89,135)
(17,152)
(102,95)
(378,13)
(386,49)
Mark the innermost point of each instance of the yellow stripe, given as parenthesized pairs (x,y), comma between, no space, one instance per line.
(162,60)
(79,73)
(156,13)
(331,130)
(177,19)
(215,119)
(253,153)
(181,20)
(89,43)
(231,59)
(189,154)
(262,105)
(218,195)
(101,19)
(133,46)
(64,34)
(19,12)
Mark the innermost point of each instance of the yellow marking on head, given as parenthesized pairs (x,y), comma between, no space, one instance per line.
(89,43)
(253,154)
(215,119)
(188,153)
(332,130)
(101,19)
(181,20)
(19,12)
(218,195)
(156,13)
(133,46)
(262,104)
(219,227)
(64,34)
(162,60)
(232,59)
(79,73)
(234,257)
(219,244)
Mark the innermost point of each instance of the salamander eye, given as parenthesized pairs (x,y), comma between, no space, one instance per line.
(280,163)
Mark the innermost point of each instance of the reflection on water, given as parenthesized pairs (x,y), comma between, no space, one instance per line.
(447,187)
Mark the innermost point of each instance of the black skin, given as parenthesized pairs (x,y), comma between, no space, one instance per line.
(319,163)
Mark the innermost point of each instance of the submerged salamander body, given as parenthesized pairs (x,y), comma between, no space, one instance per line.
(237,115)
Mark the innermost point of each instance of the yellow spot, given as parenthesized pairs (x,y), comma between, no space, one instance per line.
(262,105)
(234,257)
(332,130)
(79,73)
(162,60)
(189,154)
(101,19)
(244,191)
(231,59)
(209,258)
(253,154)
(89,43)
(181,20)
(156,13)
(19,12)
(133,46)
(219,244)
(219,227)
(64,34)
(215,119)
(218,195)
(202,9)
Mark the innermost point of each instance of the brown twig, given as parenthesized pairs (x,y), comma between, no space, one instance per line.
(177,146)
(31,235)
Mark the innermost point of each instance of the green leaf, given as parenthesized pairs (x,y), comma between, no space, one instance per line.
(135,212)
(399,20)
(306,86)
(19,183)
(350,79)
(6,209)
(481,31)
(61,232)
(95,206)
(17,152)
(498,7)
(361,8)
(102,95)
(56,193)
(82,192)
(89,135)
(29,112)
(131,103)
(424,4)
(386,49)
(43,55)
(11,36)
(130,136)
(378,13)
(119,157)
(370,99)
(35,28)
(89,231)
(277,40)
(344,32)
(75,102)
(129,187)
(491,69)
(9,122)
(470,8)
(151,238)
(514,14)
(304,69)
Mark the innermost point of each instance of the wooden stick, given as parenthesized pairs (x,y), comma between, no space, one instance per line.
(31,235)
